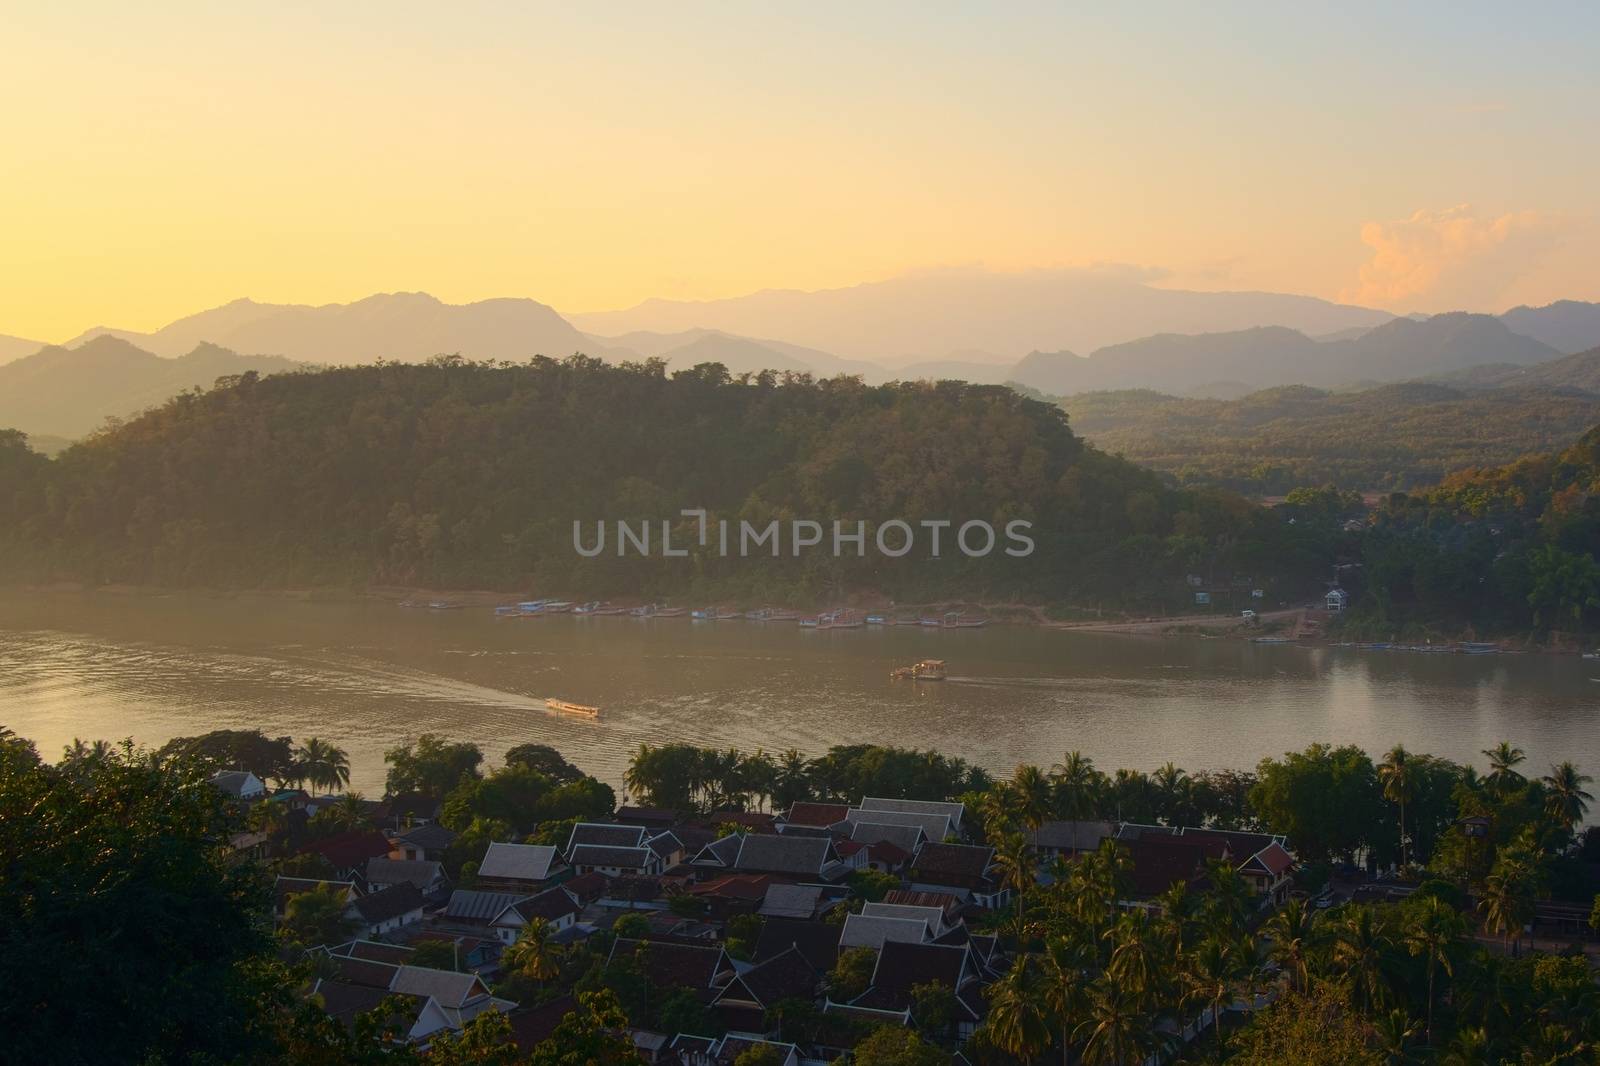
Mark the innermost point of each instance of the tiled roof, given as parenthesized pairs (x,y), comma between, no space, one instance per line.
(953,811)
(664,844)
(670,965)
(1073,835)
(934,916)
(787,975)
(367,972)
(345,1001)
(419,872)
(790,901)
(817,815)
(517,862)
(1161,861)
(751,887)
(396,901)
(863,931)
(451,989)
(1273,859)
(374,950)
(430,837)
(551,905)
(934,825)
(473,905)
(817,941)
(962,865)
(620,858)
(351,850)
(909,898)
(606,834)
(796,855)
(720,852)
(904,837)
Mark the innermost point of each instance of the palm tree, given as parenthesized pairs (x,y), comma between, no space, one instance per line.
(1507,899)
(1138,957)
(1295,934)
(1471,1047)
(323,764)
(792,780)
(1116,1031)
(1391,1033)
(1017,1022)
(760,774)
(1066,961)
(1435,930)
(1503,760)
(1214,973)
(1565,800)
(1363,953)
(1017,864)
(1173,784)
(1398,782)
(1178,908)
(1076,785)
(1030,796)
(1227,902)
(533,955)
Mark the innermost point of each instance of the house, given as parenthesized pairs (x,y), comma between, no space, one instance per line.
(817,941)
(461,996)
(787,855)
(348,852)
(1069,839)
(932,808)
(908,838)
(867,931)
(525,868)
(963,870)
(935,825)
(421,1017)
(605,834)
(471,952)
(933,916)
(554,905)
(373,950)
(1164,854)
(820,817)
(474,908)
(743,1002)
(727,1050)
(946,903)
(441,999)
(428,876)
(903,966)
(701,969)
(241,785)
(1336,600)
(733,894)
(799,902)
(389,908)
(615,862)
(427,841)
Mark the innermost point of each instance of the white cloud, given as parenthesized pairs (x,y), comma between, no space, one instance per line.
(1454,259)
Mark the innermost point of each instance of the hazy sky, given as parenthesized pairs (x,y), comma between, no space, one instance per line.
(158,159)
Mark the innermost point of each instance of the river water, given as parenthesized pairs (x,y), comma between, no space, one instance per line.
(367,675)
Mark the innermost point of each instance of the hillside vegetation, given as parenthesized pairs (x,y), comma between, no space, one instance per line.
(1387,438)
(454,474)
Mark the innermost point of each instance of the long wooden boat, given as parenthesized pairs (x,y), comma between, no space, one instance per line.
(926,670)
(579,709)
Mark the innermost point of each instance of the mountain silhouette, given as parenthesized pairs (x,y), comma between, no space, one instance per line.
(1566,325)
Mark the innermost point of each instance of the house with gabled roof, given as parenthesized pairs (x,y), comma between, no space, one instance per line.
(389,908)
(902,966)
(615,862)
(817,941)
(744,1001)
(800,902)
(420,1019)
(348,852)
(554,905)
(821,817)
(461,996)
(606,835)
(701,969)
(1069,839)
(963,870)
(935,825)
(428,875)
(526,868)
(868,931)
(476,907)
(241,785)
(934,916)
(785,855)
(428,841)
(949,808)
(907,838)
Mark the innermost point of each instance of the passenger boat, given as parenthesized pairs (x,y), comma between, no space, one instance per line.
(926,670)
(587,608)
(610,609)
(782,615)
(557,607)
(563,707)
(877,620)
(810,622)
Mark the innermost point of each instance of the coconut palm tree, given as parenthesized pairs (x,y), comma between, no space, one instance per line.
(1116,1031)
(1215,971)
(792,780)
(1018,866)
(1398,783)
(1506,900)
(1139,958)
(1030,797)
(1077,786)
(1227,903)
(1503,760)
(1436,929)
(1391,1033)
(1295,934)
(534,955)
(1564,799)
(1363,952)
(324,765)
(1017,1021)
(1178,907)
(760,775)
(1172,783)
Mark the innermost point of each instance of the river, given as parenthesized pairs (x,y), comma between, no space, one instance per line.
(367,675)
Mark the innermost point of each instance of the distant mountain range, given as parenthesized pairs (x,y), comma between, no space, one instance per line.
(403,327)
(61,392)
(924,316)
(1398,350)
(945,325)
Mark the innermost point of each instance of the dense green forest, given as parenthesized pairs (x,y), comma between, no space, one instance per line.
(1381,439)
(455,474)
(1506,549)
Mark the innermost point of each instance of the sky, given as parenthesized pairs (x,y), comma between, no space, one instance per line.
(159,159)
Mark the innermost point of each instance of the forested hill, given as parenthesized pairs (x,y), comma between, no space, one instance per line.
(453,474)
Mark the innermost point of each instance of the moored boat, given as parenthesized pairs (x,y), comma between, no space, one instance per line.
(671,612)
